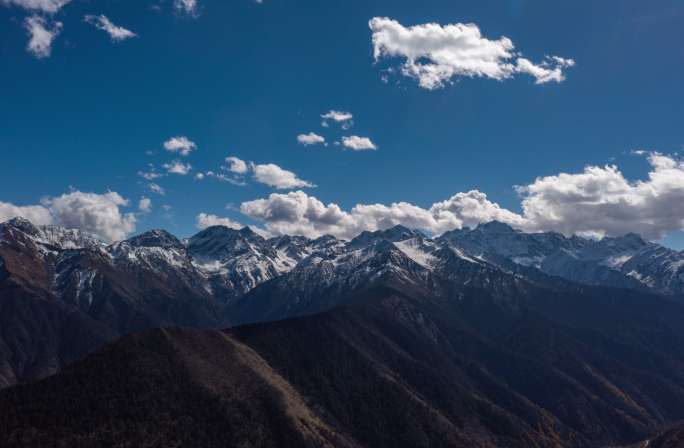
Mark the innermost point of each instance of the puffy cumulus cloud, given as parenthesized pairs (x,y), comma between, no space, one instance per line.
(310,139)
(41,35)
(601,201)
(145,204)
(274,176)
(188,7)
(182,145)
(204,220)
(37,214)
(298,213)
(356,143)
(46,6)
(116,33)
(468,210)
(236,165)
(435,54)
(97,214)
(342,118)
(177,167)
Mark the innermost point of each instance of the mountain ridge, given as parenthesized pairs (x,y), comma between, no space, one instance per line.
(222,277)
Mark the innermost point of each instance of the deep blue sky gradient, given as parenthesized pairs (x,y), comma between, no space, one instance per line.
(244,79)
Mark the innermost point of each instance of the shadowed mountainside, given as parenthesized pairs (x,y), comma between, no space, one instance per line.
(390,370)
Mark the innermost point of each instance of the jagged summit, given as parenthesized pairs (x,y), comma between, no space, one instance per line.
(495,227)
(155,238)
(629,240)
(21,224)
(50,236)
(392,234)
(221,241)
(236,260)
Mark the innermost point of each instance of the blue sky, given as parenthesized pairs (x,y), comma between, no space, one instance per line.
(244,79)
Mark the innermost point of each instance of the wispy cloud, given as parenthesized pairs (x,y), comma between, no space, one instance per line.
(116,33)
(187,7)
(44,6)
(177,167)
(344,119)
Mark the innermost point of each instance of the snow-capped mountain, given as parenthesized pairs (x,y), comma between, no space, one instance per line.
(221,276)
(623,262)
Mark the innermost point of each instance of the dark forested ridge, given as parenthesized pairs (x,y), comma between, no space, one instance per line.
(390,370)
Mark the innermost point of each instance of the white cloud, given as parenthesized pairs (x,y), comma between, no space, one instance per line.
(199,176)
(157,189)
(182,145)
(342,118)
(268,174)
(46,6)
(357,143)
(435,54)
(468,210)
(274,176)
(204,220)
(236,165)
(37,214)
(298,213)
(97,214)
(225,178)
(145,205)
(41,36)
(598,201)
(116,33)
(150,175)
(189,7)
(177,167)
(310,139)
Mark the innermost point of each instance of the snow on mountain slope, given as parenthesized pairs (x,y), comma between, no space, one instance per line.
(221,265)
(624,262)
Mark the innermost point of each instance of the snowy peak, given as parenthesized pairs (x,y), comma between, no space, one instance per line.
(220,242)
(50,237)
(156,238)
(422,251)
(21,225)
(496,239)
(393,234)
(624,262)
(629,242)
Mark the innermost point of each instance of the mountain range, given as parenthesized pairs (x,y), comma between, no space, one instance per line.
(478,337)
